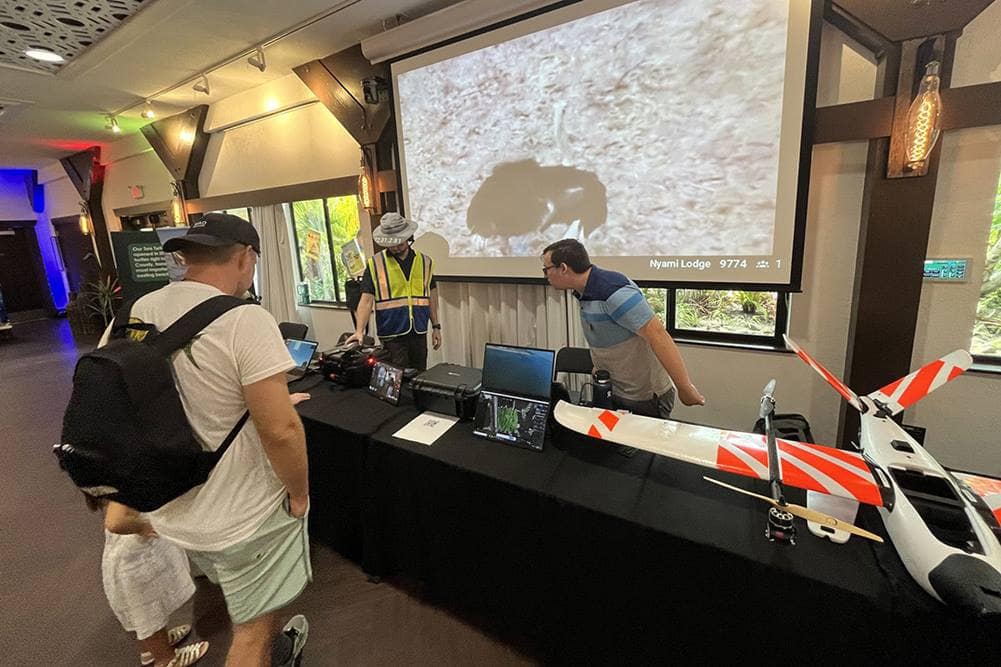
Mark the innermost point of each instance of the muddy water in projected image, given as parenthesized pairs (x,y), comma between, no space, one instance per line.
(647,129)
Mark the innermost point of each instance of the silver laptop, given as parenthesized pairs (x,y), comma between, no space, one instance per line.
(302,352)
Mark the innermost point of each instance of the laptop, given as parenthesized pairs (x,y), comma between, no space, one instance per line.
(302,352)
(386,381)
(514,400)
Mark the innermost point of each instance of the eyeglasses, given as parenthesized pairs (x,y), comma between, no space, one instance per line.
(545,269)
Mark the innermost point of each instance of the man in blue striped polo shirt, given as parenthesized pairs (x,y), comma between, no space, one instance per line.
(625,337)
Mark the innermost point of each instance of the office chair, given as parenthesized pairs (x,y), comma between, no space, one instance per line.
(575,361)
(293,330)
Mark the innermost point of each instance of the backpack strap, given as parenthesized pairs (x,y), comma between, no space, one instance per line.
(121,321)
(191,323)
(209,461)
(180,332)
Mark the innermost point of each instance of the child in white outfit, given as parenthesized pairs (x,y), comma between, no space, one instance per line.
(146,579)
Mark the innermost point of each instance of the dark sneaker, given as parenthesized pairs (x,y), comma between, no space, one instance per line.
(286,650)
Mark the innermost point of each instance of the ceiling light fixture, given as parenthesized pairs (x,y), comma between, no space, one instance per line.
(202,86)
(257,60)
(112,124)
(253,56)
(148,112)
(45,56)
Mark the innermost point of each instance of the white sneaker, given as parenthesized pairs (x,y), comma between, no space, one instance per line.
(174,637)
(189,655)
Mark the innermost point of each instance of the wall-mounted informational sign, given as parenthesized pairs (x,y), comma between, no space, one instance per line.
(947,270)
(142,264)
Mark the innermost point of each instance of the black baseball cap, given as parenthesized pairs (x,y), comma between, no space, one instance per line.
(217,229)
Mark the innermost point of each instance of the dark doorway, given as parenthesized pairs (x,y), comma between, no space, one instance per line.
(77,252)
(19,276)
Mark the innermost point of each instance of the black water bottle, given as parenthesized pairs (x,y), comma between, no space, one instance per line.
(602,389)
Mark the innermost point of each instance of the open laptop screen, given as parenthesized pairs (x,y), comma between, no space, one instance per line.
(302,351)
(518,371)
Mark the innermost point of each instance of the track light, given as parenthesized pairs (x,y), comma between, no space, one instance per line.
(257,60)
(202,86)
(148,112)
(112,125)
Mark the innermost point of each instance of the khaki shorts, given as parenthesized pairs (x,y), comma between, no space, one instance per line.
(264,572)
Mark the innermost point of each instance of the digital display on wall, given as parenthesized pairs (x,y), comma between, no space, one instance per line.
(666,136)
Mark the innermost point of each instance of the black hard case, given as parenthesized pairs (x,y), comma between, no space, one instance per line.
(448,389)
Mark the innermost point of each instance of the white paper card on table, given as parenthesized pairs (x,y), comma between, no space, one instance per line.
(426,427)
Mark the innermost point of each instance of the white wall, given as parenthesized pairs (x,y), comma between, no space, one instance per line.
(14,204)
(963,418)
(300,145)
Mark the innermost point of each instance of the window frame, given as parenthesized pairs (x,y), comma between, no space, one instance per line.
(330,246)
(681,335)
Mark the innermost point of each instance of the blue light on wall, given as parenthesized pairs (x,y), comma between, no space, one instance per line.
(21,199)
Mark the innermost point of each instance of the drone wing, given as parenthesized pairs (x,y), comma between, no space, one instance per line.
(831,379)
(905,392)
(987,488)
(807,466)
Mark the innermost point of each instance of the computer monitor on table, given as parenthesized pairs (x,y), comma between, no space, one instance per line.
(514,399)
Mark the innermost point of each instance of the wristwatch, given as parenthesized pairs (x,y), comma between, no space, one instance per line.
(436,326)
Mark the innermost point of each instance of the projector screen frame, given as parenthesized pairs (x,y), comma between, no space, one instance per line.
(811,79)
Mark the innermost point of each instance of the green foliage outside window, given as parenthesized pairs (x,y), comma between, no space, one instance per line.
(314,249)
(344,226)
(726,311)
(987,326)
(723,311)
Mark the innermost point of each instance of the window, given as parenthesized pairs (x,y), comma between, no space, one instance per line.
(727,316)
(987,325)
(321,227)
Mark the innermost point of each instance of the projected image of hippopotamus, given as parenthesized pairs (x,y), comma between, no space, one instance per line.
(522,197)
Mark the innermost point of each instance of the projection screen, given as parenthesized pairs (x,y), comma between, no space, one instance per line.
(666,135)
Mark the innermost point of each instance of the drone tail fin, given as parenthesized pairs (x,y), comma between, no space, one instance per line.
(831,379)
(908,390)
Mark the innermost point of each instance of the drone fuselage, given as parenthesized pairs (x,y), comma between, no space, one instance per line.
(936,527)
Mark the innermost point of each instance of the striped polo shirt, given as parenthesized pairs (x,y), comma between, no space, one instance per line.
(612,310)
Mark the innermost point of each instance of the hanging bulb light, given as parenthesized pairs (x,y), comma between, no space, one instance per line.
(365,184)
(924,119)
(84,219)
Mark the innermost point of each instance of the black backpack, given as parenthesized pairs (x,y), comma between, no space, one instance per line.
(125,434)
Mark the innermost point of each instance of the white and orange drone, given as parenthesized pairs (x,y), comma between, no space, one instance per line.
(945,525)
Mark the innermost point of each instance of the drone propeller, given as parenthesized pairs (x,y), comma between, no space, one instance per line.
(803,512)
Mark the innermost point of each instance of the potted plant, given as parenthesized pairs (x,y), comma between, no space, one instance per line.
(104,297)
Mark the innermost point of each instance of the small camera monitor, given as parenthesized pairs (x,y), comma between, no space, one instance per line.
(386,381)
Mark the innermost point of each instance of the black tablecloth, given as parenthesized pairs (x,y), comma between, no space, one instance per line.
(594,556)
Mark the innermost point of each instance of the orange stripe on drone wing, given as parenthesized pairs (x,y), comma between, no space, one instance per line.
(609,419)
(890,388)
(594,433)
(850,458)
(918,387)
(730,463)
(956,370)
(838,385)
(862,488)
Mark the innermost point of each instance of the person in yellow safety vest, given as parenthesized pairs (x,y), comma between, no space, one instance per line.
(399,285)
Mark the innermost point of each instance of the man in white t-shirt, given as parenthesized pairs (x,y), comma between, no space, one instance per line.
(246,526)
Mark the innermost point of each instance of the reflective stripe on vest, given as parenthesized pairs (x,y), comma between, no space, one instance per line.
(401,305)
